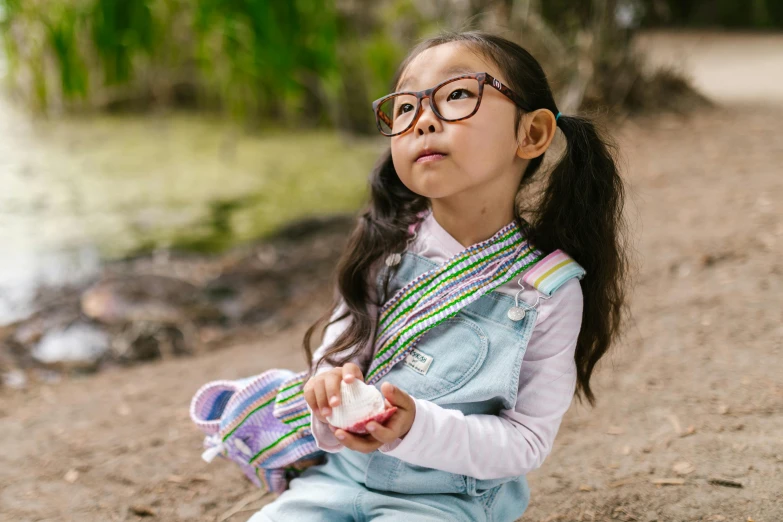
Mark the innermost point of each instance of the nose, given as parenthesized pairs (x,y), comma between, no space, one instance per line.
(428,121)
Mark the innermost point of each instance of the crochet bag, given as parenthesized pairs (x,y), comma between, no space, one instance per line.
(270,444)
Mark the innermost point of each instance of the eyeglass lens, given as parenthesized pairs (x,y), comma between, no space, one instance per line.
(452,101)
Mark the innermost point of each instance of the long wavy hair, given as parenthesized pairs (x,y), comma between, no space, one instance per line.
(579,210)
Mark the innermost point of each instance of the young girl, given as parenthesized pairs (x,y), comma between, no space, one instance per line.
(479,326)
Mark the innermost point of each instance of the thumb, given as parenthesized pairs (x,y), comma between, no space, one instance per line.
(396,396)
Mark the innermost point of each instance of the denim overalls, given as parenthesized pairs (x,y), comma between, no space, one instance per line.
(476,357)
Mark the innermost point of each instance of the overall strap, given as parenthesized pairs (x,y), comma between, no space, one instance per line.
(551,272)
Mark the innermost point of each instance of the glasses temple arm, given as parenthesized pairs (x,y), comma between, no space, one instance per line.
(383,116)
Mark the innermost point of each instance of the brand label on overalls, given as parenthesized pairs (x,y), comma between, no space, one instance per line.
(417,361)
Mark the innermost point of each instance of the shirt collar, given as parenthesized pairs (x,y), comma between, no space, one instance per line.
(447,242)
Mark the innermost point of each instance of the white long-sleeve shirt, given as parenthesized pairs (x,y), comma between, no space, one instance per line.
(515,441)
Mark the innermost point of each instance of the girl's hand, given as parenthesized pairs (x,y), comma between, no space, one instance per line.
(396,427)
(323,390)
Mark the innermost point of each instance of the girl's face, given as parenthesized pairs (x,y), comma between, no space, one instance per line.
(479,152)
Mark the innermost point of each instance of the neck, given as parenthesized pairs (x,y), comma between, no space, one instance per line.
(471,223)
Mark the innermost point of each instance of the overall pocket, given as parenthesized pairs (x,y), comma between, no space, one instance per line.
(477,487)
(456,348)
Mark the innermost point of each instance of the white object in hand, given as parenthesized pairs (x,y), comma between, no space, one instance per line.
(358,401)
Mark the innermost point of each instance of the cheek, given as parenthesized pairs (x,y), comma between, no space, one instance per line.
(497,122)
(401,164)
(483,144)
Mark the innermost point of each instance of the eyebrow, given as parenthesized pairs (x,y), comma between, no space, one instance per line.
(451,71)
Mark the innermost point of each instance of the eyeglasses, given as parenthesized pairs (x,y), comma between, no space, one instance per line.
(397,112)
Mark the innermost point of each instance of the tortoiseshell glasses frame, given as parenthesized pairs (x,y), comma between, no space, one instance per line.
(483,78)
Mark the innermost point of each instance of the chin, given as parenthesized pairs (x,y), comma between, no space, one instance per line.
(428,183)
(430,190)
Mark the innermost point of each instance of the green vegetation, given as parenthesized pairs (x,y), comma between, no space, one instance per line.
(295,63)
(288,63)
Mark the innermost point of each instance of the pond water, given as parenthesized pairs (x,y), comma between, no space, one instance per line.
(76,191)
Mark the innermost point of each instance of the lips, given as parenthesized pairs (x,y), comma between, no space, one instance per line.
(429,155)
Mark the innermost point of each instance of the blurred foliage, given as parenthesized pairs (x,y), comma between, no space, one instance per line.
(750,14)
(120,30)
(260,57)
(255,58)
(305,63)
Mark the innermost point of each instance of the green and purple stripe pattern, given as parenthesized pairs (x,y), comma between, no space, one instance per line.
(261,423)
(441,292)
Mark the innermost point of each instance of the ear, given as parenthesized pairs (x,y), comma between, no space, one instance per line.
(536,131)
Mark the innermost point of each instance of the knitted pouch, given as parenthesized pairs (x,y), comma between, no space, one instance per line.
(261,423)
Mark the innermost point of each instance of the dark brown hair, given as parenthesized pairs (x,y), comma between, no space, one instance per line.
(579,211)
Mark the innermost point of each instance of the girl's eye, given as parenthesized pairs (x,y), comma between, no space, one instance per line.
(405,107)
(459,94)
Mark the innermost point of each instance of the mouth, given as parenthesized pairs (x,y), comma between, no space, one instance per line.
(429,155)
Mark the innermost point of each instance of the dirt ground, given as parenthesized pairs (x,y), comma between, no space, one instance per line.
(692,393)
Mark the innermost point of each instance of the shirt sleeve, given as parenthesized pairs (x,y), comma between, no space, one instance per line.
(324,438)
(515,441)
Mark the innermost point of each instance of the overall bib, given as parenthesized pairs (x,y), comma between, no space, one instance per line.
(476,357)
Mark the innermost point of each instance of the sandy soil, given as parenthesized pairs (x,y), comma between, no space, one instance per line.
(692,393)
(732,68)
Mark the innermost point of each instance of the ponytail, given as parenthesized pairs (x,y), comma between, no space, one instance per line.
(581,213)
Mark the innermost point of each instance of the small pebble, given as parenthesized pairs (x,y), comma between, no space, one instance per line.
(718,481)
(683,468)
(143,511)
(668,482)
(15,379)
(71,476)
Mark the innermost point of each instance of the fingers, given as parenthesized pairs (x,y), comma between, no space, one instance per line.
(332,388)
(381,433)
(350,371)
(316,394)
(322,391)
(361,443)
(321,401)
(397,397)
(309,394)
(398,424)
